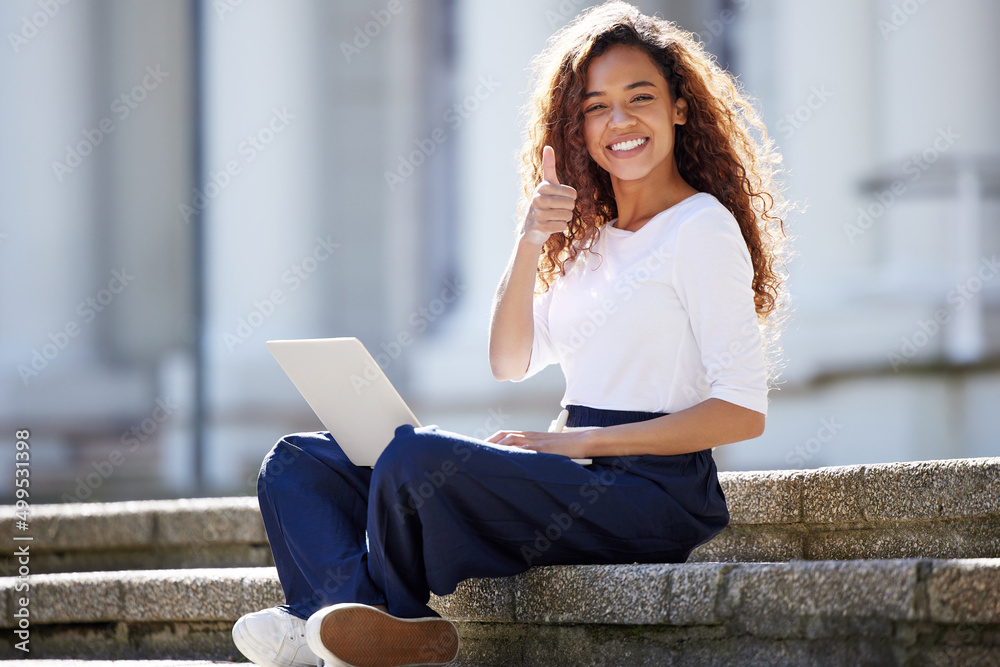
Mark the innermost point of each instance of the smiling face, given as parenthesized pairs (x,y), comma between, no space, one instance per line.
(629,118)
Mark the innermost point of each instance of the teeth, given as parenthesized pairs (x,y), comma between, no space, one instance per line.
(628,145)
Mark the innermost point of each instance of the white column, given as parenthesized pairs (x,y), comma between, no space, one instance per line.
(818,110)
(46,218)
(261,195)
(964,340)
(935,126)
(490,87)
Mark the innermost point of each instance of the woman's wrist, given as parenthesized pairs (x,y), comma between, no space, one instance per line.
(530,241)
(596,442)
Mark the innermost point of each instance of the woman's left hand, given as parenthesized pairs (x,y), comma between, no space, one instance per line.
(572,444)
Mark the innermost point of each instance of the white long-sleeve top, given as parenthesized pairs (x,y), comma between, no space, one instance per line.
(659,319)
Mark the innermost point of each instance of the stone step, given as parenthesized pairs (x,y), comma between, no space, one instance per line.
(141,535)
(934,509)
(121,663)
(872,612)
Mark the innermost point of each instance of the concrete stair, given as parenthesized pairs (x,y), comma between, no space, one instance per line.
(892,564)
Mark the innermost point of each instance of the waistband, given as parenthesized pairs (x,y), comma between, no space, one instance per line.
(582,415)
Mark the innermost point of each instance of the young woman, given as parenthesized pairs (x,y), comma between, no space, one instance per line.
(645,265)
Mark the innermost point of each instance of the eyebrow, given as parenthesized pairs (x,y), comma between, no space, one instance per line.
(631,86)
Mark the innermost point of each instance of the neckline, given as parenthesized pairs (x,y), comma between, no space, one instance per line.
(624,232)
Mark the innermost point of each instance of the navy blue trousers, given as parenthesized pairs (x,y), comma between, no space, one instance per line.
(439,507)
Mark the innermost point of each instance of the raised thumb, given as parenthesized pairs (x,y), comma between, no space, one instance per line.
(549,165)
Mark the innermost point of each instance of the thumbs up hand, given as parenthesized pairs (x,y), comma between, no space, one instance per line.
(552,205)
(549,165)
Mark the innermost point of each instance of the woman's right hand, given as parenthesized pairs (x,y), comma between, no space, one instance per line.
(551,207)
(512,324)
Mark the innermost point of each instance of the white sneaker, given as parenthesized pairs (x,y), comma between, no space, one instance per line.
(353,635)
(274,638)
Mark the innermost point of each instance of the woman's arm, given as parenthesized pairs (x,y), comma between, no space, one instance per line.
(512,322)
(711,423)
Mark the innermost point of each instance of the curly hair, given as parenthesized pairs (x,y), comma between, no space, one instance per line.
(723,149)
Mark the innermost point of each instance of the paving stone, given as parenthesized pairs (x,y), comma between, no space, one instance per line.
(965,591)
(144,522)
(694,590)
(753,543)
(910,611)
(152,557)
(185,640)
(832,495)
(763,497)
(8,600)
(124,641)
(91,525)
(627,594)
(957,656)
(210,521)
(259,589)
(933,489)
(929,509)
(490,645)
(802,613)
(478,599)
(65,598)
(777,599)
(128,663)
(959,591)
(960,538)
(188,595)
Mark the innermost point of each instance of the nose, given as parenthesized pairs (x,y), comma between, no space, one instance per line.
(620,116)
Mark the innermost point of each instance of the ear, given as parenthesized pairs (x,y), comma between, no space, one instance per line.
(680,111)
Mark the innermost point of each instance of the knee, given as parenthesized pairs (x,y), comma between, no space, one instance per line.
(280,459)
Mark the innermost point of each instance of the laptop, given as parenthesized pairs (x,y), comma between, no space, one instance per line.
(348,391)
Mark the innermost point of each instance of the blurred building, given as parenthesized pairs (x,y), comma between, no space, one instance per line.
(353,167)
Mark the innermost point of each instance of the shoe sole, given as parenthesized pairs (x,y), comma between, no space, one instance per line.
(357,635)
